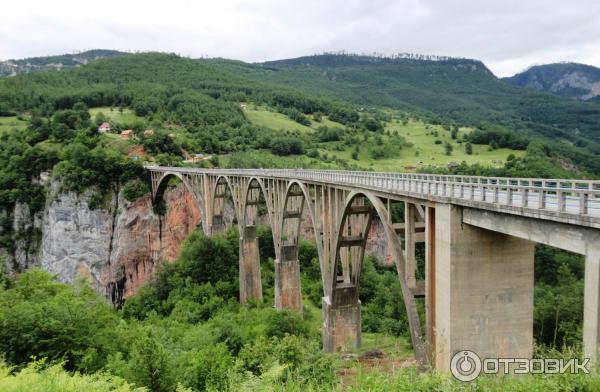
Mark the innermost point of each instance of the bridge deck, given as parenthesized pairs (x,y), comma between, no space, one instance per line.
(568,201)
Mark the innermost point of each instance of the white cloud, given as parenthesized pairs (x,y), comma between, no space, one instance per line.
(507,35)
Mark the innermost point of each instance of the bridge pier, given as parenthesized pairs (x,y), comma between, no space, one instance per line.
(591,304)
(218,225)
(287,279)
(250,282)
(341,319)
(483,291)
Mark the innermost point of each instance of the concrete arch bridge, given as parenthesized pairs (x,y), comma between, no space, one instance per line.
(479,235)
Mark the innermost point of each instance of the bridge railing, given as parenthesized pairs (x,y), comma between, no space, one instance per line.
(578,197)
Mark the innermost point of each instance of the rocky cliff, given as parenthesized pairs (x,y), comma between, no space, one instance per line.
(115,248)
(567,79)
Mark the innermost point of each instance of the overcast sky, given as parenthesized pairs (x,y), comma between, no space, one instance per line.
(507,35)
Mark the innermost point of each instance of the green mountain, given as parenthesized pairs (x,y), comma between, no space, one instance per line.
(204,103)
(457,90)
(565,79)
(33,64)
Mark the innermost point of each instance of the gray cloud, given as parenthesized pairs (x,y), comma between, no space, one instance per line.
(507,35)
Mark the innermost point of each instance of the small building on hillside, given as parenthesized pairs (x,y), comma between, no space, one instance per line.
(148,132)
(104,127)
(127,134)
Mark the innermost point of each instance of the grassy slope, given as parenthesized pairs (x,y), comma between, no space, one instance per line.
(261,115)
(430,154)
(270,119)
(9,123)
(416,133)
(124,117)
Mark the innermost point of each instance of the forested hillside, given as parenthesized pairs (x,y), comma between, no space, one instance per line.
(463,91)
(442,90)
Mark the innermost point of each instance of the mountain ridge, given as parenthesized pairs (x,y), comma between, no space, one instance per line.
(568,79)
(15,67)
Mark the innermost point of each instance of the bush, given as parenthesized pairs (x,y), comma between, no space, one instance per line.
(326,134)
(37,376)
(149,363)
(208,369)
(468,148)
(287,146)
(296,115)
(47,319)
(448,148)
(284,323)
(134,189)
(371,124)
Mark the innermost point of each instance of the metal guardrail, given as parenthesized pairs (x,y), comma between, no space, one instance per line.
(572,197)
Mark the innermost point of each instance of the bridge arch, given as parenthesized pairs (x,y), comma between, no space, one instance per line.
(161,187)
(342,307)
(288,293)
(250,277)
(219,192)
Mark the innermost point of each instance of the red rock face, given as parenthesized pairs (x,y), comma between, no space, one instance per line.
(183,217)
(142,239)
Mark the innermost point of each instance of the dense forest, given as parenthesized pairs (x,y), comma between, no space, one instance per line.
(185,330)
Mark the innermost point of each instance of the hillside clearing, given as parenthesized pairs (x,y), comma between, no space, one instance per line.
(120,116)
(12,122)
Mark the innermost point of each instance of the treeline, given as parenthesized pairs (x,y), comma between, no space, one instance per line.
(176,89)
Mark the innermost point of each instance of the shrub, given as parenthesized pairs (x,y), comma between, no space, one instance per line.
(208,369)
(37,376)
(287,146)
(149,363)
(286,322)
(468,148)
(134,189)
(47,319)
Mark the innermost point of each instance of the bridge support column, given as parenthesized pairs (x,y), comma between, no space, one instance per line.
(250,283)
(483,291)
(218,225)
(287,279)
(591,305)
(341,320)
